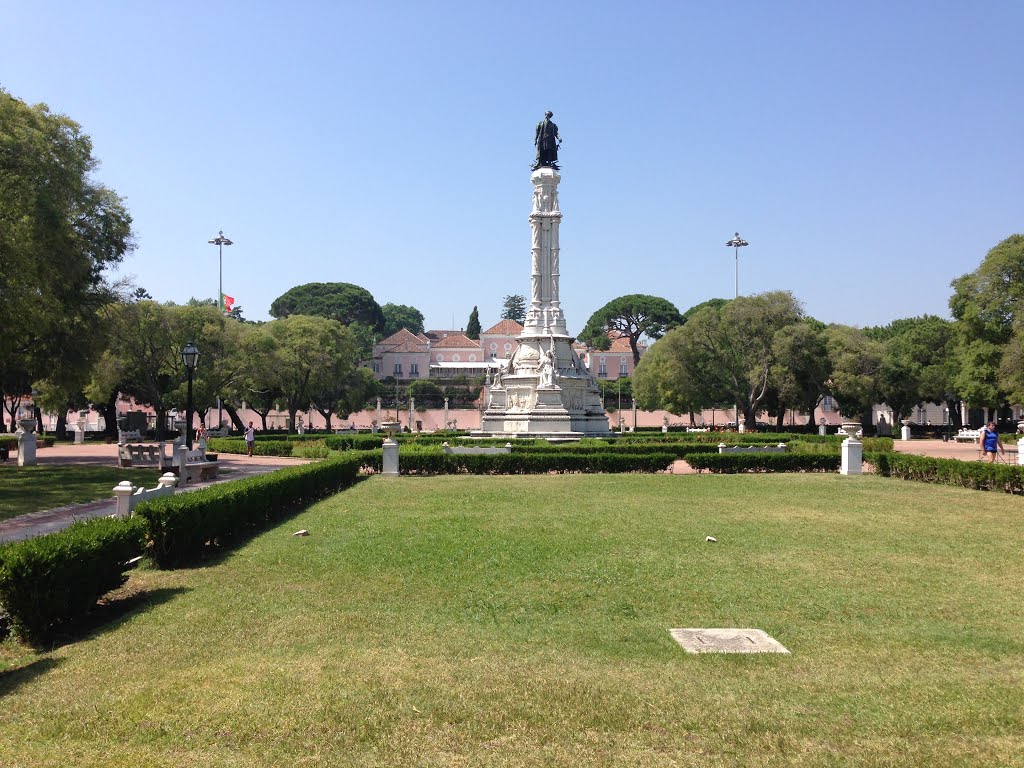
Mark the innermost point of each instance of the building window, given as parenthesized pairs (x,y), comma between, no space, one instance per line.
(472,358)
(508,346)
(376,367)
(440,357)
(827,404)
(414,369)
(623,370)
(398,369)
(455,357)
(602,371)
(494,347)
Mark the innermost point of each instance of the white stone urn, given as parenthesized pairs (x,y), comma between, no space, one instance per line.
(850,429)
(26,425)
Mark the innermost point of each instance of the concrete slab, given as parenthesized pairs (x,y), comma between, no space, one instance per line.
(726,640)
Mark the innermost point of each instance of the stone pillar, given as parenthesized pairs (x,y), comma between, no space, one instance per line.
(299,426)
(821,428)
(741,424)
(378,411)
(445,413)
(905,434)
(123,494)
(545,313)
(390,468)
(412,413)
(852,451)
(80,433)
(964,412)
(167,479)
(26,443)
(1020,451)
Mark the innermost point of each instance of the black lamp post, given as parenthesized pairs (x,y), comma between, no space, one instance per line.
(190,357)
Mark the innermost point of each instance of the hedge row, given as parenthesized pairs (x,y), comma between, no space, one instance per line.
(519,463)
(260,447)
(1008,478)
(44,441)
(730,463)
(183,527)
(51,580)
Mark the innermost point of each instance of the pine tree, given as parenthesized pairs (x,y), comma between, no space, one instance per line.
(514,308)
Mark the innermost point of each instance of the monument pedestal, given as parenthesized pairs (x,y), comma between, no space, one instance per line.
(545,389)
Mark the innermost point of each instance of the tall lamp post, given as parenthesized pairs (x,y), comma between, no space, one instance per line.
(736,243)
(190,357)
(220,241)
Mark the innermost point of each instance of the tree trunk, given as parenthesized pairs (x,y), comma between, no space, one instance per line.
(233,415)
(62,425)
(109,412)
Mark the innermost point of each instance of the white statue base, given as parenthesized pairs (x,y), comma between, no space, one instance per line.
(26,443)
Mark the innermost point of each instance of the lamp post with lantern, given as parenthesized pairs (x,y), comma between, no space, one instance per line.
(190,359)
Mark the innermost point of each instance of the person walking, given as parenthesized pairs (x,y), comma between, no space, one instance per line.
(250,438)
(990,442)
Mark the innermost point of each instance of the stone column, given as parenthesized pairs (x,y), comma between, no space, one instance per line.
(545,314)
(378,411)
(964,409)
(445,413)
(852,451)
(412,413)
(80,433)
(390,466)
(741,424)
(905,434)
(123,493)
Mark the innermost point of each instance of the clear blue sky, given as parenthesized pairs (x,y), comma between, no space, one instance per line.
(869,152)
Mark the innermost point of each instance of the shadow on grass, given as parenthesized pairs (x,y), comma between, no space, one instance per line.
(12,679)
(110,612)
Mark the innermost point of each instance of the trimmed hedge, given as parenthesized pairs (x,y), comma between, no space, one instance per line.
(51,580)
(1008,478)
(260,447)
(520,463)
(730,463)
(183,527)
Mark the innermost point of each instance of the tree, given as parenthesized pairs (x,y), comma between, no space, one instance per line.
(59,231)
(856,360)
(800,369)
(988,306)
(514,308)
(343,302)
(723,354)
(398,316)
(631,316)
(473,325)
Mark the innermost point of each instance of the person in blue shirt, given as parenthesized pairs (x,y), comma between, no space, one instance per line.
(990,442)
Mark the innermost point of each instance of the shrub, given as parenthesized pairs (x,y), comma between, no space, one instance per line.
(311,449)
(520,463)
(260,447)
(181,528)
(48,581)
(730,463)
(1007,478)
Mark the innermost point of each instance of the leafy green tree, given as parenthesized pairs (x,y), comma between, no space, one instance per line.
(514,308)
(631,316)
(800,368)
(59,231)
(987,307)
(723,354)
(341,393)
(856,362)
(398,316)
(343,302)
(473,325)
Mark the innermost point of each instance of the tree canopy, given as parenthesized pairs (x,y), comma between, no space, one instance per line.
(399,316)
(473,325)
(513,307)
(344,302)
(632,317)
(59,231)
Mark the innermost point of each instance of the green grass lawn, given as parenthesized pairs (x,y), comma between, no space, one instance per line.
(32,489)
(523,621)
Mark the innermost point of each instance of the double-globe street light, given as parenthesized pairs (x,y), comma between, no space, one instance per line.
(736,243)
(190,358)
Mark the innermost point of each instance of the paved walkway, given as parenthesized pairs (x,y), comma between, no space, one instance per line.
(233,467)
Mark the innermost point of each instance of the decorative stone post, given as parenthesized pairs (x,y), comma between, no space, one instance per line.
(300,427)
(741,424)
(852,450)
(123,494)
(1020,448)
(412,413)
(26,443)
(390,464)
(905,435)
(80,433)
(378,410)
(446,413)
(821,427)
(664,424)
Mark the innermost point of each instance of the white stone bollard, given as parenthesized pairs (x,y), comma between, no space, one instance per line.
(852,451)
(390,468)
(721,447)
(741,427)
(80,432)
(821,430)
(1020,449)
(123,493)
(26,443)
(905,434)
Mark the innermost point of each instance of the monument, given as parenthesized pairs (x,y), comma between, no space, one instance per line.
(545,389)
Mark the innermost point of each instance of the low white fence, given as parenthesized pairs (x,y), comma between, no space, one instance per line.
(723,448)
(128,495)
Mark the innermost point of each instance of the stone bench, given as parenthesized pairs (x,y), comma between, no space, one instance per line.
(698,429)
(222,432)
(723,448)
(124,436)
(196,466)
(459,450)
(131,455)
(967,436)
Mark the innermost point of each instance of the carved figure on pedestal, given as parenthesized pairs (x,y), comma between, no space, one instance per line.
(547,366)
(547,141)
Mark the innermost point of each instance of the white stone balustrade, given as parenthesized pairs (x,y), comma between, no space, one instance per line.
(128,496)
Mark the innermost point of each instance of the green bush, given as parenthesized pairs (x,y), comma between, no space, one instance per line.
(1008,478)
(730,463)
(183,527)
(261,447)
(311,449)
(50,580)
(519,463)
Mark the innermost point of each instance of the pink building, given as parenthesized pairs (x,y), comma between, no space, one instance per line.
(500,341)
(615,362)
(404,355)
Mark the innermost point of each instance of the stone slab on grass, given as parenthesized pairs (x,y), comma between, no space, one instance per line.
(726,640)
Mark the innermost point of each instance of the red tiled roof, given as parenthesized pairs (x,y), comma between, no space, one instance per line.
(505,328)
(457,341)
(402,336)
(438,335)
(409,346)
